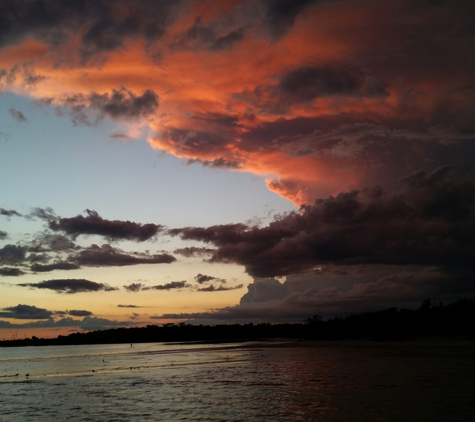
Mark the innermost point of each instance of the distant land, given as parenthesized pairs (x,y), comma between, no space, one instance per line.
(454,321)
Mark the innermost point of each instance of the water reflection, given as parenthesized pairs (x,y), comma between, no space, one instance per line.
(334,382)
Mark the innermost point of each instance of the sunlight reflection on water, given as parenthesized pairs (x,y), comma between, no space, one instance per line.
(330,382)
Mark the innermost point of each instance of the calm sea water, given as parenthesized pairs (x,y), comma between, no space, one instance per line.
(426,381)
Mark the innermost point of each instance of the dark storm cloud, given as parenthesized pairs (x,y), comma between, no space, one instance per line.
(9,213)
(431,221)
(361,288)
(265,290)
(134,287)
(106,256)
(58,265)
(377,152)
(93,223)
(79,313)
(100,26)
(169,286)
(70,286)
(193,251)
(305,84)
(12,254)
(3,235)
(17,115)
(10,272)
(227,41)
(25,312)
(197,34)
(280,14)
(217,36)
(119,104)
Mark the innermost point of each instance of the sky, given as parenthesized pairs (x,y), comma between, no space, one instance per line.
(232,161)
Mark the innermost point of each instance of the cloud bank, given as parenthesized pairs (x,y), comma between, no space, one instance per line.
(431,221)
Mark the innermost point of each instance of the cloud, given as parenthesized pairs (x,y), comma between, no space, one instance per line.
(3,235)
(12,254)
(70,286)
(106,255)
(335,114)
(93,323)
(46,214)
(25,312)
(329,292)
(46,242)
(58,265)
(216,37)
(324,105)
(202,278)
(280,15)
(134,287)
(10,272)
(217,234)
(94,224)
(304,294)
(429,222)
(265,290)
(304,84)
(120,104)
(129,306)
(17,115)
(22,74)
(79,313)
(219,288)
(35,257)
(192,251)
(119,135)
(98,26)
(169,286)
(219,284)
(9,213)
(217,163)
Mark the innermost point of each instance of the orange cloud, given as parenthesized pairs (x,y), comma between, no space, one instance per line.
(316,97)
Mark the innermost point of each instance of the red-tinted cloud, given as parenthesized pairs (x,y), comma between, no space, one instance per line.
(300,92)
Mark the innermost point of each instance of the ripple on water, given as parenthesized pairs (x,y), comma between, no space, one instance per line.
(390,383)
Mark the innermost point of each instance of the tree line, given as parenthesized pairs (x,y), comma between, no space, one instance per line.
(453,321)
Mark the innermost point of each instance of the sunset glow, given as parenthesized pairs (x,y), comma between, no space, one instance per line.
(145,144)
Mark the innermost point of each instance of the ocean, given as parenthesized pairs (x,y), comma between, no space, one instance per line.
(254,381)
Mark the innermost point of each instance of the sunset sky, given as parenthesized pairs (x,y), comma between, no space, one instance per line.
(222,161)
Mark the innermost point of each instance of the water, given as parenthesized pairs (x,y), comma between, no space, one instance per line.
(427,381)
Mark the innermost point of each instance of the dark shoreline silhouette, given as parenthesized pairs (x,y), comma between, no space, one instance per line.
(454,321)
